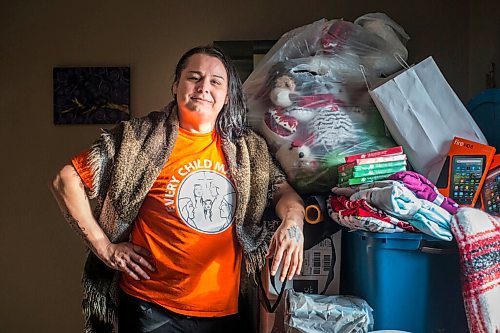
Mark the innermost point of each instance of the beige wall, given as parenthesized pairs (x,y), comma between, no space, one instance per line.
(40,257)
(484,43)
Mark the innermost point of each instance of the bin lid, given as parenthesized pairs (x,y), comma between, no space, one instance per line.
(389,331)
(397,235)
(406,241)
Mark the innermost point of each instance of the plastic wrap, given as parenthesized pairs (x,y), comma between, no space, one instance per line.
(309,313)
(309,100)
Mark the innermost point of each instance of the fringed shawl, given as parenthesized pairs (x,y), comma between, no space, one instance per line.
(127,160)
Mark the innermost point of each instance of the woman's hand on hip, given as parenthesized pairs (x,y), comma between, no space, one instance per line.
(287,247)
(131,259)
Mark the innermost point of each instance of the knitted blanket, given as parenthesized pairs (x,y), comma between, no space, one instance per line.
(478,238)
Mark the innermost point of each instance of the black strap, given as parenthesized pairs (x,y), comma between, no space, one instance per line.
(331,272)
(264,300)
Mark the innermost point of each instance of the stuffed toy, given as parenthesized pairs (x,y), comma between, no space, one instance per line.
(311,122)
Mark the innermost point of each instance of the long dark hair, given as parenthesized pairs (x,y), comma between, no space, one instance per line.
(231,121)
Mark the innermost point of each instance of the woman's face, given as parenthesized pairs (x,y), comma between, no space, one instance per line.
(201,90)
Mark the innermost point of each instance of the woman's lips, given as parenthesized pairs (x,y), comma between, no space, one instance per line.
(199,99)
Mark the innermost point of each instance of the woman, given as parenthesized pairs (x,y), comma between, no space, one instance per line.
(166,273)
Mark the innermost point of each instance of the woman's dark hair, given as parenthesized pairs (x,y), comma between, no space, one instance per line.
(231,121)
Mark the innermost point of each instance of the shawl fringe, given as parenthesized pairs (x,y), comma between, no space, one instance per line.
(97,309)
(96,304)
(255,260)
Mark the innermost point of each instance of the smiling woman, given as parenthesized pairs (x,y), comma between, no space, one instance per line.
(232,118)
(181,196)
(201,93)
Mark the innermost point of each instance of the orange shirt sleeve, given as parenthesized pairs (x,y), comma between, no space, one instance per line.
(81,164)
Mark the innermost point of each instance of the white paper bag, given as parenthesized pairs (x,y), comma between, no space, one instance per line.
(423,114)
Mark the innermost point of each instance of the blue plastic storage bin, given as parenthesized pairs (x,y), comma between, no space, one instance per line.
(411,280)
(485,109)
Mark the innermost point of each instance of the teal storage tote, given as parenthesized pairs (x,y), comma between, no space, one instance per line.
(411,280)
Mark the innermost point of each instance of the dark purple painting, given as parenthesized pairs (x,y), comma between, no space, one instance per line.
(91,95)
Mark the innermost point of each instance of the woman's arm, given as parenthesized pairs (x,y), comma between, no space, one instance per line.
(287,244)
(69,192)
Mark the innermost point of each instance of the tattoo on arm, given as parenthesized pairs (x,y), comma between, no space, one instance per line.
(294,233)
(80,183)
(79,230)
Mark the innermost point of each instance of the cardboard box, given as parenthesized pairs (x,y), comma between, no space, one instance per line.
(464,171)
(314,273)
(377,153)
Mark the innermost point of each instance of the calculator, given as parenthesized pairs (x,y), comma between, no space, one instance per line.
(466,173)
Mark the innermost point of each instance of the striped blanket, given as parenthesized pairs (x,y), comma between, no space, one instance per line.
(478,238)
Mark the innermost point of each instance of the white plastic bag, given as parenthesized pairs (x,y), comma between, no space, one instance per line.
(423,114)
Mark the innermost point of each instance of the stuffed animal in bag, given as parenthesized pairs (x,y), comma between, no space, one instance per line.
(315,109)
(310,121)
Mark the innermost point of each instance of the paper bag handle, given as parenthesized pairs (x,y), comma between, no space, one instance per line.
(368,85)
(398,58)
(401,61)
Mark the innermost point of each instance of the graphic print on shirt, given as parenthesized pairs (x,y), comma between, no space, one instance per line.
(206,201)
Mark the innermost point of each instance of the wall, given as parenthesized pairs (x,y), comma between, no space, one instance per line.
(484,44)
(41,258)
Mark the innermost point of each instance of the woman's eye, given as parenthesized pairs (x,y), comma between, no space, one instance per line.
(193,78)
(218,83)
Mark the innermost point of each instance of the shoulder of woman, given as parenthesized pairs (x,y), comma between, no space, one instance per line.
(254,139)
(257,146)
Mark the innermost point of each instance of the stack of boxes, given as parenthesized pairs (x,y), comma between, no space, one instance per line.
(465,171)
(372,166)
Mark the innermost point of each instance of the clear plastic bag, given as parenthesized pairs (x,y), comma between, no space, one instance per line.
(384,27)
(309,100)
(310,313)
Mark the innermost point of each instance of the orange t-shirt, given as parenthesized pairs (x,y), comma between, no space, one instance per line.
(186,223)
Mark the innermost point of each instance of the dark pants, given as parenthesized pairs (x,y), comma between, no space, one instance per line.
(138,316)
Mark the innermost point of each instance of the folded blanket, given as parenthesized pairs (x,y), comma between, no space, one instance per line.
(400,202)
(424,189)
(359,215)
(478,239)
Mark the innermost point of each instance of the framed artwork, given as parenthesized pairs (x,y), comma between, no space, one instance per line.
(91,95)
(245,54)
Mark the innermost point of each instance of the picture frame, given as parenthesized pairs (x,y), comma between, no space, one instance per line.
(91,95)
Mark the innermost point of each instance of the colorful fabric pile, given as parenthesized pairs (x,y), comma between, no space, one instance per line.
(395,203)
